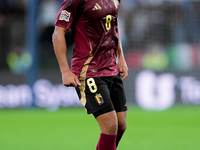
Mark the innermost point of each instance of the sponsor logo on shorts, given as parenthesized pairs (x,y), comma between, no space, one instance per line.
(65,15)
(125,105)
(99,99)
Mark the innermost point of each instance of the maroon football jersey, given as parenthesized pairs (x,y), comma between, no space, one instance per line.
(96,36)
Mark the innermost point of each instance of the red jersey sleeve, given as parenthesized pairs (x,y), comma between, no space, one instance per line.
(66,14)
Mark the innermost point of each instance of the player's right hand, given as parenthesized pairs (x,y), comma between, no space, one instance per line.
(123,69)
(70,79)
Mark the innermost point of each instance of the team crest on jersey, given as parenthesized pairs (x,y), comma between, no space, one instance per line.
(116,2)
(99,99)
(65,15)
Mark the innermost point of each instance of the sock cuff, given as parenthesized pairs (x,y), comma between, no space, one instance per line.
(108,138)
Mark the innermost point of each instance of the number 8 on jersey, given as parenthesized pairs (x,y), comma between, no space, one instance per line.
(108,22)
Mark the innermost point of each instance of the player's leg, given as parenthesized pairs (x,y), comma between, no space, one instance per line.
(121,117)
(119,102)
(95,96)
(111,123)
(109,126)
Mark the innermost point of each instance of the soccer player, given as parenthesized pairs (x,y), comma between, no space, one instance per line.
(94,71)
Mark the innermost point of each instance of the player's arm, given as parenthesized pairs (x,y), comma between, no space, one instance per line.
(60,49)
(122,66)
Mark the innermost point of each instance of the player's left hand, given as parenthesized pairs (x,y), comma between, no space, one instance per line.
(123,69)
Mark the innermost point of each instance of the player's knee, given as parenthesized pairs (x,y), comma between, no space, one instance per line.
(112,128)
(122,128)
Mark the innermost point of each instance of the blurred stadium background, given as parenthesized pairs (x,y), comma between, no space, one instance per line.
(161,43)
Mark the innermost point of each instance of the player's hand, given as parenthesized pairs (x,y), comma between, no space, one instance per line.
(70,79)
(123,69)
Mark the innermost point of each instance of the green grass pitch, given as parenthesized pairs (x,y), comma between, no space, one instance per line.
(177,128)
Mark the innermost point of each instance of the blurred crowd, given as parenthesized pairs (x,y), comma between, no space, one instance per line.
(150,29)
(163,22)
